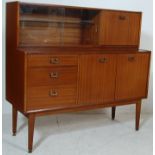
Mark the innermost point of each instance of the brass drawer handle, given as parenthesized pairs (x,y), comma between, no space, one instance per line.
(131,58)
(54,61)
(53,93)
(103,60)
(122,17)
(54,75)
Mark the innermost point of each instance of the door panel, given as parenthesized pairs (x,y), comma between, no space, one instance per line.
(96,78)
(132,76)
(119,28)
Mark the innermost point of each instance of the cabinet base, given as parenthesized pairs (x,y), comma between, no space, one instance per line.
(31,121)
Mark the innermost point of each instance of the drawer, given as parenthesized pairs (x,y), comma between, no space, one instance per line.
(51,60)
(49,97)
(52,76)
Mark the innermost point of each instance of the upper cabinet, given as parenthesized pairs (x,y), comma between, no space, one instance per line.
(50,25)
(119,28)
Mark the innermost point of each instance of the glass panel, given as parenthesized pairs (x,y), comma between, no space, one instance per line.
(40,25)
(56,26)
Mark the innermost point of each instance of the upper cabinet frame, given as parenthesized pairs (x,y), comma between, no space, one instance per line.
(37,25)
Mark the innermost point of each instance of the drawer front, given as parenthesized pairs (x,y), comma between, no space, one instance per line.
(51,60)
(52,76)
(51,97)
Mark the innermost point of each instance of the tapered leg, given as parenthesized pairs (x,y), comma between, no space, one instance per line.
(138,111)
(31,122)
(113,112)
(14,120)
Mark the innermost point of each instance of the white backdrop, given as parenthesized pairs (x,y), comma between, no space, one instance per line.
(146,6)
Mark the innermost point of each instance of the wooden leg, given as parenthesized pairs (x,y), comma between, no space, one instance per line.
(31,122)
(113,112)
(138,110)
(14,120)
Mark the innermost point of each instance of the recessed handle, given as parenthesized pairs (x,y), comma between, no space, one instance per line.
(131,58)
(54,61)
(103,60)
(122,17)
(53,93)
(54,75)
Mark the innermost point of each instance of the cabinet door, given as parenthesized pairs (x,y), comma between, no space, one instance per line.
(132,76)
(96,78)
(119,28)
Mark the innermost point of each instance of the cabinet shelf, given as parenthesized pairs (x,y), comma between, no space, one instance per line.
(58,21)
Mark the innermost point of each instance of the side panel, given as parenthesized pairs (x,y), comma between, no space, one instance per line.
(15,60)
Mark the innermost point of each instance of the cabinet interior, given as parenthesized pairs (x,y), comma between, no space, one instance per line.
(57,26)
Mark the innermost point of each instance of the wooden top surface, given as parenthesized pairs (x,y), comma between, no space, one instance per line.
(77,50)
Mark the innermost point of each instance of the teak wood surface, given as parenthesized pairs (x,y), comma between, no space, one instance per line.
(73,60)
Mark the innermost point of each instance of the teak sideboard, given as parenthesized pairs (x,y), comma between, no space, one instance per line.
(64,59)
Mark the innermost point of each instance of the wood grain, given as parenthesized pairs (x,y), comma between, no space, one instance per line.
(40,97)
(52,76)
(131,79)
(15,60)
(96,79)
(119,28)
(43,60)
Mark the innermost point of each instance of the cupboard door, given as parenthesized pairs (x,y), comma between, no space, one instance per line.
(96,78)
(132,76)
(119,28)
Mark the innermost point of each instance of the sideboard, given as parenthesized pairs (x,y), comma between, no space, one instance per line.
(65,59)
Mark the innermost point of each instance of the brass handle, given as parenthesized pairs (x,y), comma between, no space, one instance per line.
(54,75)
(103,60)
(53,93)
(122,17)
(131,58)
(54,60)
